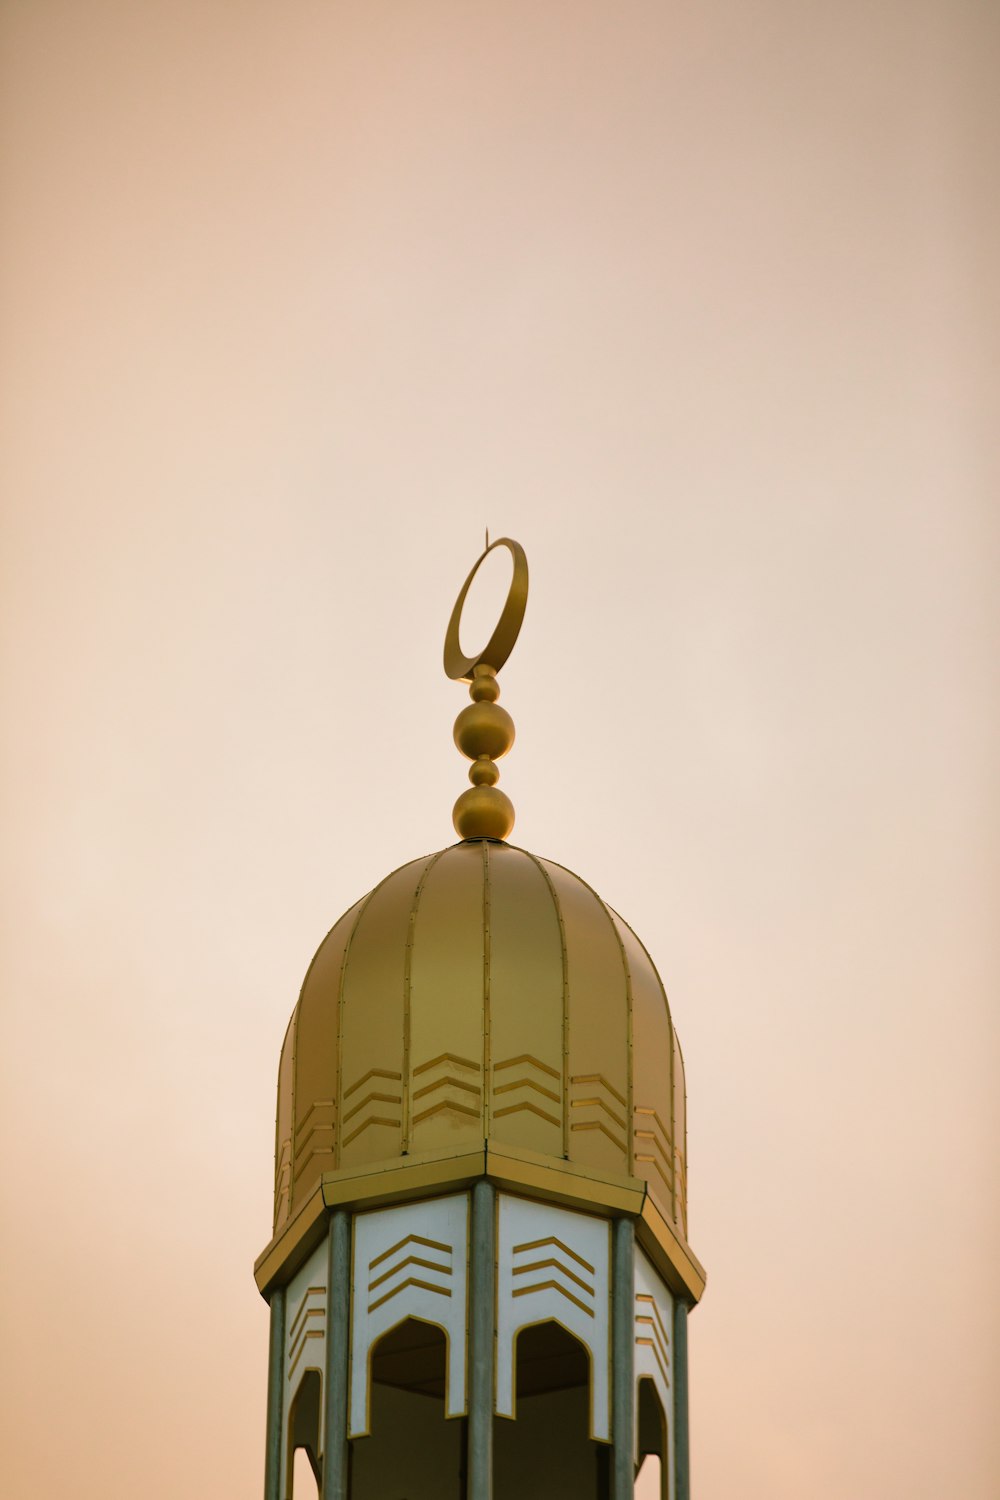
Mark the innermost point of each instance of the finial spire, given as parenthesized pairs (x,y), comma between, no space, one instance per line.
(483,730)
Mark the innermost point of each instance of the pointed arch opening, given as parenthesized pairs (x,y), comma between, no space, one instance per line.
(412,1448)
(554,1394)
(652,1447)
(304,1436)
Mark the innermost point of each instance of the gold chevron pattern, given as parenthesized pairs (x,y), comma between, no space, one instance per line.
(314,1135)
(563,1271)
(650,1332)
(653,1146)
(526,1084)
(309,1323)
(598,1106)
(446,1082)
(429,1264)
(379,1101)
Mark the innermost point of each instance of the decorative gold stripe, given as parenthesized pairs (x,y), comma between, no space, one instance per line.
(512,1109)
(656,1167)
(648,1139)
(599,1078)
(313,1333)
(373,1073)
(316,1148)
(648,1149)
(375,1120)
(654,1141)
(411,1260)
(552,1240)
(642,1109)
(525,1083)
(643,1318)
(300,1142)
(314,1152)
(436,1109)
(655,1342)
(656,1356)
(543,1265)
(316,1104)
(305,1309)
(463,1062)
(526,1057)
(598,1104)
(410,1239)
(306,1331)
(448,1082)
(427,1286)
(596,1125)
(659,1338)
(544,1286)
(371,1099)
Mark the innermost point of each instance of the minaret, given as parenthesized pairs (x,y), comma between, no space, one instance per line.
(479,1276)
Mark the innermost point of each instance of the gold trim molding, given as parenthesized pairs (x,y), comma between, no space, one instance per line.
(528,1173)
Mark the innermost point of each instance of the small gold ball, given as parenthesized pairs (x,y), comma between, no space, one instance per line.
(483,812)
(484,729)
(484,686)
(484,772)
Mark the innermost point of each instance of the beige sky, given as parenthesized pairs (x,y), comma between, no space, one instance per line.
(698,302)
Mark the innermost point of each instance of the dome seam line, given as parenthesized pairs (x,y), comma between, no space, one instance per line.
(554,897)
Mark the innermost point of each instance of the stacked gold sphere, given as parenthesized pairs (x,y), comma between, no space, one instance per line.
(483,732)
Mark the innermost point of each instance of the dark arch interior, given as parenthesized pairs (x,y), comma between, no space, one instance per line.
(548,1451)
(303,1425)
(412,1452)
(412,1357)
(652,1428)
(550,1359)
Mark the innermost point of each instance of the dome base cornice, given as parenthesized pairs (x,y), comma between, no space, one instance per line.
(527,1173)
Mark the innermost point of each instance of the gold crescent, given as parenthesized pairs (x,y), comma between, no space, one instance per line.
(501,643)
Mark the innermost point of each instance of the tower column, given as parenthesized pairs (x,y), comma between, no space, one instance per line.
(273,1487)
(623,1381)
(338,1305)
(681,1450)
(482,1273)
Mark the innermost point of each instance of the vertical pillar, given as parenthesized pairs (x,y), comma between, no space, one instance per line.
(622,1371)
(482,1321)
(273,1479)
(682,1461)
(338,1318)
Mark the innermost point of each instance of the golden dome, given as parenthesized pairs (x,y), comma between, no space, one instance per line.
(477,996)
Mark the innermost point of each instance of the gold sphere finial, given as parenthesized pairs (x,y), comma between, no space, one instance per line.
(483,730)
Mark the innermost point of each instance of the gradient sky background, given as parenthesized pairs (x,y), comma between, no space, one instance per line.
(697,301)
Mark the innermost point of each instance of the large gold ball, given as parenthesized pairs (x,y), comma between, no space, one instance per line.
(484,729)
(483,812)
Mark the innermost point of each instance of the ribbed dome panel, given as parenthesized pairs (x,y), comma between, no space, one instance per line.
(481,994)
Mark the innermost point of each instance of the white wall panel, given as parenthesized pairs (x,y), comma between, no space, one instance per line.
(305,1336)
(554,1263)
(653,1336)
(409,1262)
